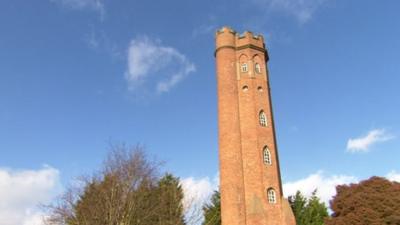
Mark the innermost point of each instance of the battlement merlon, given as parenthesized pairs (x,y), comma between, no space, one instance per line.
(226,37)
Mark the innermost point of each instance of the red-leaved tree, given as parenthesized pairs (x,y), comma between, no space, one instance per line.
(375,201)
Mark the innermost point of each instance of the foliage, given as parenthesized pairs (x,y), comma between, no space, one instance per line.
(308,211)
(375,201)
(170,195)
(298,203)
(126,191)
(212,210)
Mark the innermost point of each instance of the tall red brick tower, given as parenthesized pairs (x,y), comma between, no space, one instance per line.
(250,182)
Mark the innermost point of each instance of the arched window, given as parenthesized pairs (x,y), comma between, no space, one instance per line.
(244,67)
(257,68)
(267,156)
(263,119)
(271,196)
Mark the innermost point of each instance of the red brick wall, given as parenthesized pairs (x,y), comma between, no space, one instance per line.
(244,177)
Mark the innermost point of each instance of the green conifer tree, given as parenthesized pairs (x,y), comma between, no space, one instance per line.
(170,208)
(298,203)
(308,211)
(212,210)
(315,211)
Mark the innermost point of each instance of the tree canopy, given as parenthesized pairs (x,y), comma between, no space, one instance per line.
(170,194)
(126,191)
(308,211)
(212,210)
(375,201)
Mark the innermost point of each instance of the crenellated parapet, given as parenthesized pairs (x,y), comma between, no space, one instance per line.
(226,37)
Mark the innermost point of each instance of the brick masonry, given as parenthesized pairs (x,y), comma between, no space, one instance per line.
(244,176)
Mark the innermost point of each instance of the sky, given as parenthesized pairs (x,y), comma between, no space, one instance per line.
(77,75)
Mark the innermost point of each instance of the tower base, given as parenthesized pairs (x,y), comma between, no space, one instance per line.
(287,213)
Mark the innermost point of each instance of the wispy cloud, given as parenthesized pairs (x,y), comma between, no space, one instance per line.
(92,39)
(363,144)
(205,29)
(95,5)
(324,184)
(393,176)
(98,40)
(301,10)
(22,191)
(152,64)
(197,192)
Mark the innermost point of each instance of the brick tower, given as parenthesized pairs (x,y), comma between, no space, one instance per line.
(250,182)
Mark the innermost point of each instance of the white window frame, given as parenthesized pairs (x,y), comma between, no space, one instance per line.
(244,68)
(262,118)
(271,196)
(267,156)
(257,68)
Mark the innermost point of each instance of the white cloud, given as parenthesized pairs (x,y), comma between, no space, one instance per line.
(96,5)
(199,189)
(151,62)
(98,40)
(325,185)
(393,176)
(302,10)
(21,192)
(204,29)
(362,144)
(197,192)
(92,39)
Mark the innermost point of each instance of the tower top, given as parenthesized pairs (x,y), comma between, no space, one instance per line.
(226,37)
(245,34)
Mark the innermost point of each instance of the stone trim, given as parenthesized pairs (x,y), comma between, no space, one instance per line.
(263,50)
(222,47)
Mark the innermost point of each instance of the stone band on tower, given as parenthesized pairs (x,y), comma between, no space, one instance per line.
(250,182)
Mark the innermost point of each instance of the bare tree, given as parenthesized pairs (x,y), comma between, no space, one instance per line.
(124,192)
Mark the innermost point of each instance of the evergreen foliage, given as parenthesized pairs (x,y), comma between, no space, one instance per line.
(298,203)
(212,210)
(308,211)
(170,201)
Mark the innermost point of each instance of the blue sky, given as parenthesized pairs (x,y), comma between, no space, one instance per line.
(76,75)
